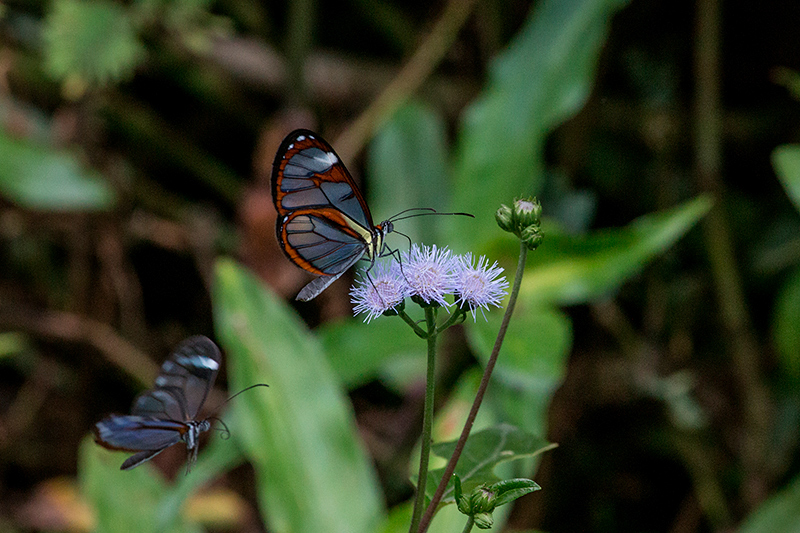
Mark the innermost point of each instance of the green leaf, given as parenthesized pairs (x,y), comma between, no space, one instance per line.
(123,501)
(509,490)
(312,473)
(543,77)
(92,41)
(779,514)
(786,334)
(786,160)
(407,166)
(531,365)
(568,270)
(37,177)
(359,352)
(483,452)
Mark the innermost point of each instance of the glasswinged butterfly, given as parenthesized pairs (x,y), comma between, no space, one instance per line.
(166,414)
(324,225)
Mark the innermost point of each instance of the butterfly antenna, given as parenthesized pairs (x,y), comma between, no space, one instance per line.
(427,211)
(237,394)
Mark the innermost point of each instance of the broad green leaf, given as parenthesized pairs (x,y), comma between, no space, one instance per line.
(568,270)
(543,77)
(123,501)
(483,452)
(312,473)
(407,165)
(359,352)
(786,160)
(37,177)
(779,514)
(786,334)
(531,365)
(90,41)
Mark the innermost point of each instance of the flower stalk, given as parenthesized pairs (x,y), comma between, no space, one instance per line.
(476,404)
(427,419)
(429,275)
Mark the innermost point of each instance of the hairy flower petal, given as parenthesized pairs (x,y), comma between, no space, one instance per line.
(479,286)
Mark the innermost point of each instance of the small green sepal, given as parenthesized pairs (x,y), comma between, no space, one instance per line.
(396,310)
(417,299)
(462,502)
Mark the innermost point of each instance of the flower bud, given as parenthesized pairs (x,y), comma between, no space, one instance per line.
(522,220)
(527,212)
(483,520)
(482,500)
(532,237)
(504,218)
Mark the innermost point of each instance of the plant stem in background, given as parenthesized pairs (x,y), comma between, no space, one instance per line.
(408,80)
(302,14)
(427,420)
(743,346)
(476,404)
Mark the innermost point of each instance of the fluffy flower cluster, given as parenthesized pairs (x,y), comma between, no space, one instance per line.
(429,274)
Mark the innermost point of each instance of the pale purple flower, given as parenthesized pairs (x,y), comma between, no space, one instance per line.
(380,289)
(478,286)
(428,270)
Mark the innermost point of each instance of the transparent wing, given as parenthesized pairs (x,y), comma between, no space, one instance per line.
(136,433)
(307,174)
(320,242)
(183,384)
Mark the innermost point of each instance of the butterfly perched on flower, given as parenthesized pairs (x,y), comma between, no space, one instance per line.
(324,225)
(166,414)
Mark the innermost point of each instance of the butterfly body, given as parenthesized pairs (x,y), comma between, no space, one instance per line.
(324,224)
(166,415)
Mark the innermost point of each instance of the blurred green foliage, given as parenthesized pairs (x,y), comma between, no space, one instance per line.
(312,472)
(40,178)
(90,43)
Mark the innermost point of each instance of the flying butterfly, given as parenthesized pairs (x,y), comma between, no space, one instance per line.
(166,414)
(324,225)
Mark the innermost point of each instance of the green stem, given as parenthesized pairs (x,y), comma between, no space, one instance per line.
(427,420)
(487,374)
(421,333)
(456,318)
(469,524)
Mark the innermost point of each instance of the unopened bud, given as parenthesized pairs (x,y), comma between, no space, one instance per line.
(483,520)
(482,500)
(505,218)
(532,237)
(527,212)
